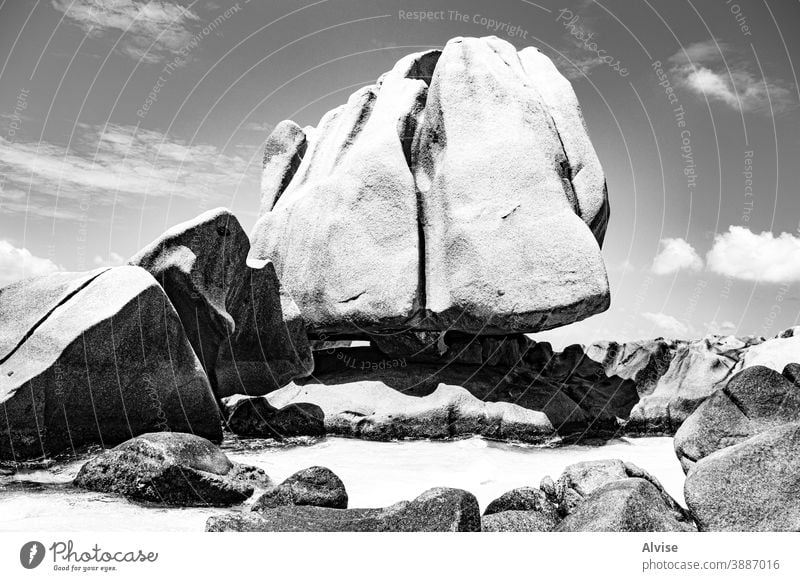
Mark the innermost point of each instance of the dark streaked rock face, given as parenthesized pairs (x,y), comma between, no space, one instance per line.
(315,486)
(755,400)
(95,357)
(170,468)
(254,417)
(493,221)
(750,486)
(436,510)
(247,334)
(629,505)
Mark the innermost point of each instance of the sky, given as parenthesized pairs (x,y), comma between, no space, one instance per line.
(120,118)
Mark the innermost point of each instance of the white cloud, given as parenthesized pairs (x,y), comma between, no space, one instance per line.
(724,328)
(113,259)
(671,326)
(743,254)
(732,81)
(122,162)
(150,28)
(676,254)
(19,263)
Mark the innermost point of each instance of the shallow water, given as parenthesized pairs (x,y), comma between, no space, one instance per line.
(374,473)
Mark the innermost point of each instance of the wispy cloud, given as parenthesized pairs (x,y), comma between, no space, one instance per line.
(116,161)
(670,326)
(743,254)
(150,29)
(676,254)
(18,263)
(701,69)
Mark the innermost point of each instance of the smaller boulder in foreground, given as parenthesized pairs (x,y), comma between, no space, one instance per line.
(315,486)
(630,505)
(171,468)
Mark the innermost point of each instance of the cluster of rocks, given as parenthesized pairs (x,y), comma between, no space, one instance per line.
(740,478)
(741,453)
(425,384)
(186,470)
(100,357)
(404,248)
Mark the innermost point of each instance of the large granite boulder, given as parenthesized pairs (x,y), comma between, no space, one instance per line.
(698,369)
(751,486)
(436,510)
(315,486)
(755,400)
(95,357)
(632,505)
(174,469)
(247,333)
(579,481)
(470,168)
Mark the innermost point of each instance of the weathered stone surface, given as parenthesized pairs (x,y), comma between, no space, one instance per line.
(751,486)
(493,230)
(525,509)
(525,498)
(698,369)
(255,417)
(288,519)
(517,254)
(644,362)
(248,335)
(375,411)
(774,353)
(170,468)
(580,480)
(629,505)
(315,486)
(519,521)
(95,357)
(755,400)
(436,510)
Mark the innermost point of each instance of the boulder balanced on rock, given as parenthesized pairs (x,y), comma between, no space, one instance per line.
(246,331)
(459,192)
(95,357)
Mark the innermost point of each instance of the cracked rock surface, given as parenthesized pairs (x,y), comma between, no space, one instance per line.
(459,192)
(95,357)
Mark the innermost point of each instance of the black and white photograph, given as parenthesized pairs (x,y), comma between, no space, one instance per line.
(288,270)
